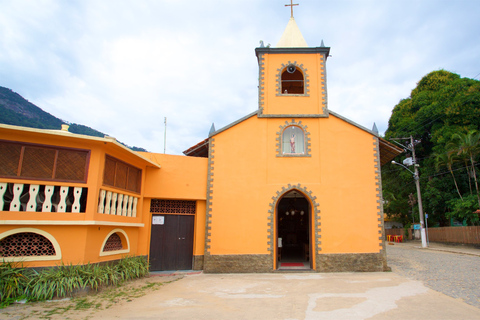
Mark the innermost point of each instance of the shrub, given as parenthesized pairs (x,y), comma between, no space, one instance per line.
(21,283)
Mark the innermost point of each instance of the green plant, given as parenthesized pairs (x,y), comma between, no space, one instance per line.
(17,282)
(13,282)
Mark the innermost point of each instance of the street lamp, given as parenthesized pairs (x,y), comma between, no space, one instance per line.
(419,195)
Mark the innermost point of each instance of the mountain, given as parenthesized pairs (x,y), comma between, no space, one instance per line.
(16,110)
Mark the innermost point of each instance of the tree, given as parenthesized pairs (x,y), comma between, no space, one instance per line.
(468,144)
(447,159)
(442,105)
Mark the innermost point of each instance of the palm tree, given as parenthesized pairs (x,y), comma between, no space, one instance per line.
(469,145)
(447,159)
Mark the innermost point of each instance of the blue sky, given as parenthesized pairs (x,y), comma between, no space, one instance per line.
(122,66)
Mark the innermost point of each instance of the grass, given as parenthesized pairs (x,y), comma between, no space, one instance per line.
(17,283)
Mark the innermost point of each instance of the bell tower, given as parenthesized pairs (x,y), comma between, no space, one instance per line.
(292,77)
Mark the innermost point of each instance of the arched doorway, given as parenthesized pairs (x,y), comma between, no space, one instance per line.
(293,216)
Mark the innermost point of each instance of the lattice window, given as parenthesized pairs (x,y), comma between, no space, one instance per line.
(114,243)
(22,160)
(26,244)
(121,175)
(173,206)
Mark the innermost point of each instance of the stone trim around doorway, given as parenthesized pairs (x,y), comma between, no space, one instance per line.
(238,263)
(315,212)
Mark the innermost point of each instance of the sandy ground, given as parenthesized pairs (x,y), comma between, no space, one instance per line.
(353,296)
(87,305)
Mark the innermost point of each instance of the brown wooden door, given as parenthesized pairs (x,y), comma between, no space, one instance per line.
(171,243)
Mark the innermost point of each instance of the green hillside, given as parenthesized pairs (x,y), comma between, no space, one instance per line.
(16,110)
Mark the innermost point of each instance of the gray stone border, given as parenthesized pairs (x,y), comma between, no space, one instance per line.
(315,212)
(378,183)
(208,228)
(306,136)
(306,81)
(261,83)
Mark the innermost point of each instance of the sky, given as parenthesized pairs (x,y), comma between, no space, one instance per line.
(122,66)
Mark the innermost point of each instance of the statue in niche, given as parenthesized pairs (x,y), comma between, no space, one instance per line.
(292,143)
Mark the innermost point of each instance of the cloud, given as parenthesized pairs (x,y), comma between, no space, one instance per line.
(121,67)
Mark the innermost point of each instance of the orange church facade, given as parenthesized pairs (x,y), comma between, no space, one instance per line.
(291,184)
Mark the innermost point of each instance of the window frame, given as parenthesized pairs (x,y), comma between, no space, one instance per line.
(280,81)
(57,149)
(306,140)
(115,175)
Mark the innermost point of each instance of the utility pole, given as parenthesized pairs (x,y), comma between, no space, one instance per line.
(417,184)
(419,195)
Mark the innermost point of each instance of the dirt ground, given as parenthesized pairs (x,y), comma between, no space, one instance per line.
(85,305)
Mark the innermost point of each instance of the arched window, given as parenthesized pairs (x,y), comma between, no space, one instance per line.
(292,80)
(26,244)
(293,140)
(116,242)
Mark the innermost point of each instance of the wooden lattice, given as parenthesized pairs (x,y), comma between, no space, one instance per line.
(26,244)
(173,206)
(121,175)
(9,158)
(68,165)
(114,242)
(38,162)
(42,162)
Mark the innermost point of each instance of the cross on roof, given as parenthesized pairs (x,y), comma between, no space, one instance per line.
(291,7)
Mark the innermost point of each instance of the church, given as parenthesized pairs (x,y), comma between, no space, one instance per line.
(290,186)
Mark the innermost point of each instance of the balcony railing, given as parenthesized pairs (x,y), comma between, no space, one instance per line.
(117,204)
(42,198)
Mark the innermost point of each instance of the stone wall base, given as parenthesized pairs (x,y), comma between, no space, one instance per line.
(241,263)
(198,262)
(352,262)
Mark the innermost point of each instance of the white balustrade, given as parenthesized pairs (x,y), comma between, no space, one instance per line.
(118,204)
(14,197)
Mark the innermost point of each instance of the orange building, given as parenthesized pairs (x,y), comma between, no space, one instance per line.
(291,185)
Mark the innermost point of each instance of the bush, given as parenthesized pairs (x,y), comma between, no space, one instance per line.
(21,283)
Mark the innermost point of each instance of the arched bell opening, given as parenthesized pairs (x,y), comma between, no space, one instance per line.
(293,218)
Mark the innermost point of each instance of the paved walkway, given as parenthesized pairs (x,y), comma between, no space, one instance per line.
(351,296)
(452,270)
(451,248)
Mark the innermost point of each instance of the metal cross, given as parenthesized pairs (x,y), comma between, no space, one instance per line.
(291,7)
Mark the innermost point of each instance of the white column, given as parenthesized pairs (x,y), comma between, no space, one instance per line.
(3,189)
(17,192)
(101,206)
(77,194)
(62,205)
(119,204)
(113,209)
(134,209)
(47,204)
(32,202)
(108,203)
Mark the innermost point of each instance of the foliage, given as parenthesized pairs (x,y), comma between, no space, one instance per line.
(442,112)
(464,210)
(18,283)
(13,282)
